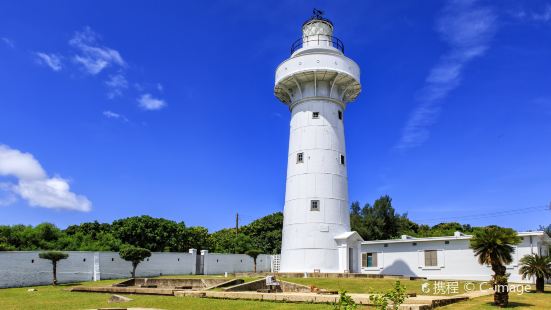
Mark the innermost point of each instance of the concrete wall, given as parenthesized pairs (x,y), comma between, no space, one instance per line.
(26,268)
(455,260)
(215,263)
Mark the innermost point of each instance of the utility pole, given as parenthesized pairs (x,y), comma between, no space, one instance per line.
(236,224)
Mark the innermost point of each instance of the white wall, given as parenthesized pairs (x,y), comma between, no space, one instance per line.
(456,260)
(215,263)
(18,268)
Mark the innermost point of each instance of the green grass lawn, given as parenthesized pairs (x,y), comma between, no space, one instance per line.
(368,285)
(48,297)
(530,301)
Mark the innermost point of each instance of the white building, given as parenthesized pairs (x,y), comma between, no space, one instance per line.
(443,258)
(316,83)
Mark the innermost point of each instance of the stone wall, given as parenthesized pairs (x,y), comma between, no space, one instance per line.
(25,268)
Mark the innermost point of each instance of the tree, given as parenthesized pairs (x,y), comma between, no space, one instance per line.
(154,234)
(134,255)
(254,254)
(53,256)
(265,233)
(536,266)
(379,221)
(493,246)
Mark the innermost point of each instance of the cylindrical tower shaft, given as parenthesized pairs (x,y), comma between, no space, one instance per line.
(316,83)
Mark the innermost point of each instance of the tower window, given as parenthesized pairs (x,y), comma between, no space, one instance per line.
(314,205)
(342,159)
(300,158)
(340,114)
(315,114)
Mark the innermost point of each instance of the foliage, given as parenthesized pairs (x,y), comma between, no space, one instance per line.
(135,255)
(227,241)
(395,297)
(536,266)
(493,246)
(265,233)
(155,234)
(379,221)
(54,257)
(253,253)
(345,302)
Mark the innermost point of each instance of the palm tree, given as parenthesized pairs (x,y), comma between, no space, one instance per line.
(493,246)
(536,266)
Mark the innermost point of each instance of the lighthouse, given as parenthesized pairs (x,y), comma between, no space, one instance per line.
(317,82)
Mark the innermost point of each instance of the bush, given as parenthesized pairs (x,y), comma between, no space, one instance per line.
(395,296)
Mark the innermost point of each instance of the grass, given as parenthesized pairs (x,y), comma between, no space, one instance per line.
(368,285)
(519,302)
(49,297)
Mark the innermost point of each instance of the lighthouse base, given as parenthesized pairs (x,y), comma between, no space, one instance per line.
(344,257)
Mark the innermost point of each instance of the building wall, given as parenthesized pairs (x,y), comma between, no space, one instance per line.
(456,261)
(25,268)
(215,263)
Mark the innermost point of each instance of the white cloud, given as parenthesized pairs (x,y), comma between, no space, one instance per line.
(148,102)
(544,16)
(160,87)
(34,185)
(92,56)
(116,83)
(114,115)
(468,30)
(8,42)
(51,60)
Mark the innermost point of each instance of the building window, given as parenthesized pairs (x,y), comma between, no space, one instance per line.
(314,205)
(369,260)
(340,114)
(414,244)
(315,114)
(386,245)
(431,258)
(342,159)
(446,242)
(300,158)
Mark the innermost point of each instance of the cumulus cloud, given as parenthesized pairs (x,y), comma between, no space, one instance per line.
(114,115)
(116,84)
(91,55)
(50,60)
(34,185)
(467,28)
(148,102)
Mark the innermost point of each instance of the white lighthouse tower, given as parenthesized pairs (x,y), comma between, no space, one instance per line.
(317,82)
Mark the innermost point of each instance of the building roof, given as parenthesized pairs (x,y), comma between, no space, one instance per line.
(349,234)
(457,236)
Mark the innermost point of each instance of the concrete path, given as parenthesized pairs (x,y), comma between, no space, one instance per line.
(412,303)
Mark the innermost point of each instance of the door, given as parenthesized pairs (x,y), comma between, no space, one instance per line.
(199,264)
(351,260)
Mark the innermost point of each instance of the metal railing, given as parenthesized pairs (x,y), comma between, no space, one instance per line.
(317,39)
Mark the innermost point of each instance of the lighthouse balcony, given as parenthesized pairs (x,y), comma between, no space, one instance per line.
(317,41)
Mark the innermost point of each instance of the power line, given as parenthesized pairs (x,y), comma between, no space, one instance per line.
(492,214)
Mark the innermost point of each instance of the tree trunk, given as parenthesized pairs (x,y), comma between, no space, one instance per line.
(501,289)
(54,265)
(254,264)
(540,285)
(134,266)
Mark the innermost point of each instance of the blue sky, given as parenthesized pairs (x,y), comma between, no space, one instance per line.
(115,109)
